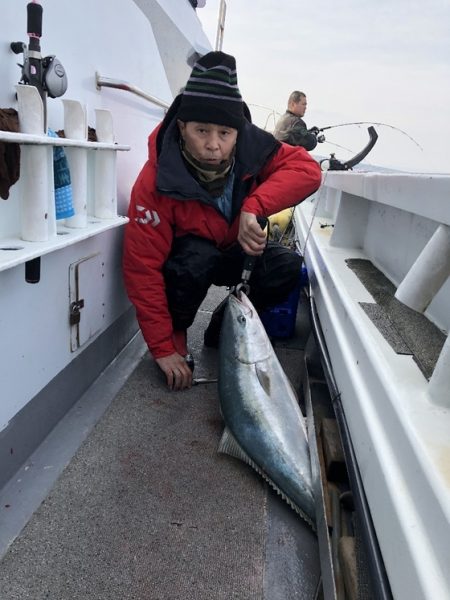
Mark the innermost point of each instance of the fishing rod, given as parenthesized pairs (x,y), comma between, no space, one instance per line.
(46,74)
(371,123)
(49,77)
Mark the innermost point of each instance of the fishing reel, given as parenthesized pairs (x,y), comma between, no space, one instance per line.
(46,74)
(53,77)
(318,133)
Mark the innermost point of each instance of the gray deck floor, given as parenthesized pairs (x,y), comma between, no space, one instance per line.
(148,510)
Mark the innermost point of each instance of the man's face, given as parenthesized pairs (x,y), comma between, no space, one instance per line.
(207,142)
(299,108)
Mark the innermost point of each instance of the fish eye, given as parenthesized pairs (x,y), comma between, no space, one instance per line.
(242,319)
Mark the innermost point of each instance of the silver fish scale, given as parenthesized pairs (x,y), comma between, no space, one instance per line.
(260,407)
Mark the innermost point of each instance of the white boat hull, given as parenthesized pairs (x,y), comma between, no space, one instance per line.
(398,431)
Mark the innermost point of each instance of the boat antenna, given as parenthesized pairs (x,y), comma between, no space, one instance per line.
(372,123)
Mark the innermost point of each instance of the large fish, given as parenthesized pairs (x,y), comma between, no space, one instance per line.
(264,424)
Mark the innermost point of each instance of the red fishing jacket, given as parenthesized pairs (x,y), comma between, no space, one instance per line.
(166,201)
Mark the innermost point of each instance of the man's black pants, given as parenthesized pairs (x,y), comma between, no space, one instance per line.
(195,264)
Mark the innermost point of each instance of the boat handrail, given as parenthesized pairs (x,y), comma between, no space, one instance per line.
(119,84)
(30,139)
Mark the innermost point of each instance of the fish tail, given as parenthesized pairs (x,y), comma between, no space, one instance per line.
(229,445)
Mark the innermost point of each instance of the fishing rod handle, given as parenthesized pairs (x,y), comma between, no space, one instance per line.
(249,261)
(34,20)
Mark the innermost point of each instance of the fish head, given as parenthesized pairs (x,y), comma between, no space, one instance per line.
(243,333)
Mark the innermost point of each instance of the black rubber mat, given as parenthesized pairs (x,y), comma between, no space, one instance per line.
(408,331)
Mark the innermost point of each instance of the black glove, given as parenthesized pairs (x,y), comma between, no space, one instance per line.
(314,130)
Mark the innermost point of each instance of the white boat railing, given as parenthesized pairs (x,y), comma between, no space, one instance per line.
(392,369)
(119,84)
(34,230)
(358,204)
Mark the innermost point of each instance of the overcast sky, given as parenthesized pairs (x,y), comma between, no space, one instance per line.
(357,60)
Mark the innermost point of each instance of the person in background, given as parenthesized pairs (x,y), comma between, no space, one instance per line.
(291,128)
(193,213)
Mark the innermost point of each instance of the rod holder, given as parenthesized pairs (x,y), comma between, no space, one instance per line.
(105,196)
(428,273)
(37,215)
(75,128)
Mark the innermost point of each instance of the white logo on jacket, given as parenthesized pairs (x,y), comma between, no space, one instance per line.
(151,216)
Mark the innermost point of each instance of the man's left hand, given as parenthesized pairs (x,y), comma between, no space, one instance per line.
(176,370)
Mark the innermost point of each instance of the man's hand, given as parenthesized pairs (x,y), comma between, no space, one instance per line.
(176,370)
(251,237)
(316,131)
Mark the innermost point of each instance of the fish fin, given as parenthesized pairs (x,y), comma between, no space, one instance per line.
(229,445)
(263,378)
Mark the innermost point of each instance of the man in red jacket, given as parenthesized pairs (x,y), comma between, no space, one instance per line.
(194,208)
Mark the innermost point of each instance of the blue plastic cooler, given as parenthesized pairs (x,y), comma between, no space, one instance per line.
(279,321)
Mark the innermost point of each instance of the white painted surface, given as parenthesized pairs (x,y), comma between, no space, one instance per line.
(14,251)
(36,167)
(428,273)
(400,436)
(105,191)
(36,211)
(439,388)
(30,109)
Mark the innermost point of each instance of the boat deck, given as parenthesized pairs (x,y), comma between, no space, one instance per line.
(129,499)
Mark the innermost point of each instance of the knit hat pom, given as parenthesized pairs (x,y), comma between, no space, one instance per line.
(211,94)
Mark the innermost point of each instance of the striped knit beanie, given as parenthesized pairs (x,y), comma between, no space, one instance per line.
(211,94)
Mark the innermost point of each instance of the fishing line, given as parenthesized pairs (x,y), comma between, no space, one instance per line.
(272,113)
(286,229)
(339,146)
(322,186)
(319,198)
(287,226)
(372,123)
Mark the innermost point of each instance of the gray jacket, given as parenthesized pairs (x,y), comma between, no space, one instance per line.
(292,130)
